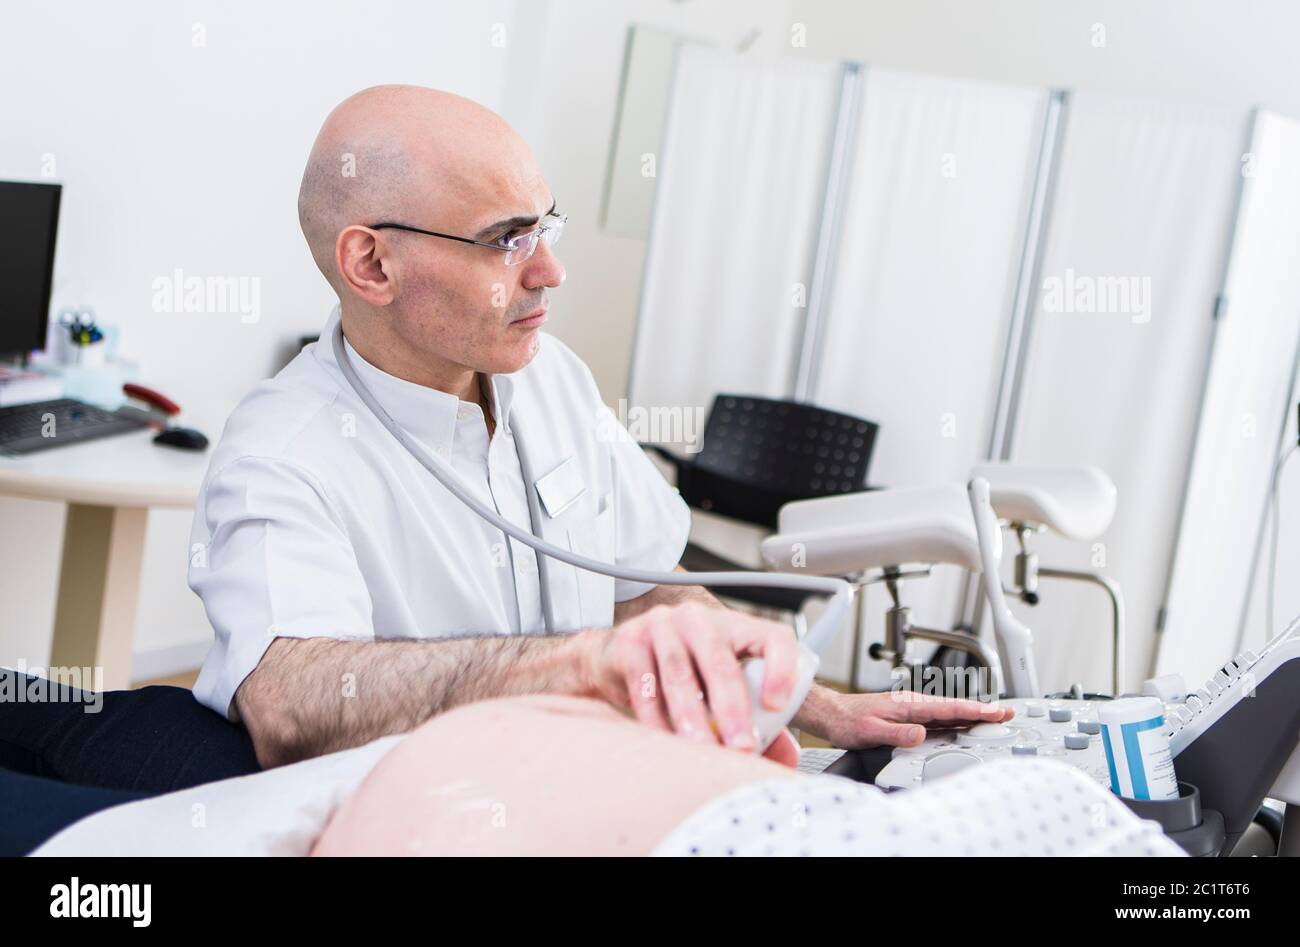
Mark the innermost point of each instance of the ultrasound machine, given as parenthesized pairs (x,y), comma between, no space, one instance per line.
(1233,737)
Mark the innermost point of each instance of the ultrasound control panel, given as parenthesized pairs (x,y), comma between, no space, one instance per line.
(1064,730)
(1237,727)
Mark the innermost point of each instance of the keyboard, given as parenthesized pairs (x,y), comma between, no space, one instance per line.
(26,428)
(814,760)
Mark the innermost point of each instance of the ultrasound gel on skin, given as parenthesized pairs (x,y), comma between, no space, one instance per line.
(1137,749)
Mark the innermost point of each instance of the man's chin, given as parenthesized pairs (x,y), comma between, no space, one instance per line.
(517,354)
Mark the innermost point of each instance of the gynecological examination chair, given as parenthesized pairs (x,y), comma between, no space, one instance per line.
(891,537)
(1077,503)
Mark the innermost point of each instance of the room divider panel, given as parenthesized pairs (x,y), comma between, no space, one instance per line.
(926,271)
(1117,351)
(1247,403)
(739,193)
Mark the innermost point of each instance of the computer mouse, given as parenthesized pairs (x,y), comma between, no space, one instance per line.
(186,438)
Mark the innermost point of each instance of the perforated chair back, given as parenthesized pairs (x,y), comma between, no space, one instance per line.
(759,454)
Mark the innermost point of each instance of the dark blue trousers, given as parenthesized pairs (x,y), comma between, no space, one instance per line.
(66,753)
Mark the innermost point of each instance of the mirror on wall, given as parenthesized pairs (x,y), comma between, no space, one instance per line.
(638,129)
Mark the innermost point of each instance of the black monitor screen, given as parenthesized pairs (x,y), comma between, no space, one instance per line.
(29,220)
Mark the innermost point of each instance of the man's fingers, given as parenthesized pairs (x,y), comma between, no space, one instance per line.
(644,695)
(724,683)
(681,669)
(780,652)
(926,708)
(877,731)
(678,684)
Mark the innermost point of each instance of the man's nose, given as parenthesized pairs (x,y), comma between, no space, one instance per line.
(543,268)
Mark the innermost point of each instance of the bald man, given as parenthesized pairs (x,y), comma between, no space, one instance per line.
(351,595)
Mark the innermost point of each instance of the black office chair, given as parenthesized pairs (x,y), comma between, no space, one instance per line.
(759,454)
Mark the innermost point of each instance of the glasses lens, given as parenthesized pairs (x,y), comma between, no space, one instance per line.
(551,232)
(524,245)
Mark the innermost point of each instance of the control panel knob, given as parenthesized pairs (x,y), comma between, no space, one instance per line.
(988,734)
(947,762)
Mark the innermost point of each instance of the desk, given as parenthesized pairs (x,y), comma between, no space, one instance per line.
(109,485)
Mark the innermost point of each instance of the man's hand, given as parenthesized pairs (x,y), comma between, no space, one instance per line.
(893,718)
(675,665)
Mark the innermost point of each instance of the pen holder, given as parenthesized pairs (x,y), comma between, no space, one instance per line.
(92,355)
(1199,832)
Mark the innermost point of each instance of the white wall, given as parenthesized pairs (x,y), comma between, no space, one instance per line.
(1210,51)
(177,155)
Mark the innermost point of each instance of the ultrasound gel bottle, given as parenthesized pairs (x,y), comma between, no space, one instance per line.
(1137,749)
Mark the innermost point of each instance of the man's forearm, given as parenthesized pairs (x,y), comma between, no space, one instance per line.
(310,696)
(665,595)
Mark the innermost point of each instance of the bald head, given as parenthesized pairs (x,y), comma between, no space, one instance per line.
(404,154)
(426,309)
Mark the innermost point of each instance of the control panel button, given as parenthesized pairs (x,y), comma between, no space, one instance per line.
(1077,741)
(1089,726)
(1060,714)
(1024,749)
(1034,709)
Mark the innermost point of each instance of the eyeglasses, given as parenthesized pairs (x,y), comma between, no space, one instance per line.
(517,249)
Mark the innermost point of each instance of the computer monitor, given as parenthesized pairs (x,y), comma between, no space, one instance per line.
(30,216)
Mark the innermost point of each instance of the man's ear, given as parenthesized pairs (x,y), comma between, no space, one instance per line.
(366,265)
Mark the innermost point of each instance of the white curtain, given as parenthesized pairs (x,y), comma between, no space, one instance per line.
(1246,402)
(1141,222)
(739,197)
(932,237)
